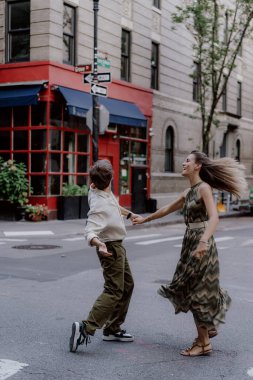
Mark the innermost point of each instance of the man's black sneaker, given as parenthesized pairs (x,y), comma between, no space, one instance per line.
(120,336)
(78,336)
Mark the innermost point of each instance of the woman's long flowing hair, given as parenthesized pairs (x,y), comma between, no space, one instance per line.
(222,174)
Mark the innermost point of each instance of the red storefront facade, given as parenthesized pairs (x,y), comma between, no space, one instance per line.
(39,126)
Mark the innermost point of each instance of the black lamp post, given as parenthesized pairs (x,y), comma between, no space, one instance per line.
(95,101)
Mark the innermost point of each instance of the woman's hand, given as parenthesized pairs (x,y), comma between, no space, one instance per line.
(200,250)
(137,219)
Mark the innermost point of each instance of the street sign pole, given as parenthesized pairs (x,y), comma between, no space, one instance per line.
(95,101)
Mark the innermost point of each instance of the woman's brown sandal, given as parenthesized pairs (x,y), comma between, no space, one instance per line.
(212,333)
(205,350)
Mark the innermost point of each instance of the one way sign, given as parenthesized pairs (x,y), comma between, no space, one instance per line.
(98,90)
(101,77)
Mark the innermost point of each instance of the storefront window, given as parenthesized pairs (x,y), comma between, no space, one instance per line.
(20,140)
(38,139)
(74,122)
(131,153)
(5,117)
(69,141)
(5,140)
(55,140)
(38,184)
(21,157)
(82,180)
(82,143)
(82,164)
(134,132)
(39,114)
(69,163)
(56,114)
(38,162)
(55,163)
(70,179)
(20,116)
(54,184)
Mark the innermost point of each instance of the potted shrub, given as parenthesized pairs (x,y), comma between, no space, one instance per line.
(14,187)
(83,206)
(36,212)
(73,203)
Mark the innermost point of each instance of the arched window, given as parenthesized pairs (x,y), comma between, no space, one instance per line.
(238,150)
(169,150)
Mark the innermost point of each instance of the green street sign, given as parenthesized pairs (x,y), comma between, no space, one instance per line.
(104,63)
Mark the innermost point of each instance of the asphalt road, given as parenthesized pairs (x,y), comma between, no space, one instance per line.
(44,290)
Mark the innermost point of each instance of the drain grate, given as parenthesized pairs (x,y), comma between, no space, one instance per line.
(37,246)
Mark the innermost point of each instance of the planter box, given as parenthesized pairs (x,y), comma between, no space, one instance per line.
(83,206)
(10,211)
(68,207)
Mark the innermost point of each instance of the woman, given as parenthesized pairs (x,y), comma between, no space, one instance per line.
(195,284)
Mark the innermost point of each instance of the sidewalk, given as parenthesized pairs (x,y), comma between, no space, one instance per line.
(76,227)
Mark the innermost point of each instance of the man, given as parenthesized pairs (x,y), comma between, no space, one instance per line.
(105,230)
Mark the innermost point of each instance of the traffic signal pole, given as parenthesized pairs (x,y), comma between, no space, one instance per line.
(95,100)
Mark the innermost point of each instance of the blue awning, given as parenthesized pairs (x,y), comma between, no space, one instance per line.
(12,96)
(121,112)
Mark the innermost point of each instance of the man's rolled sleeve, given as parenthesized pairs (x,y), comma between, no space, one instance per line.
(93,227)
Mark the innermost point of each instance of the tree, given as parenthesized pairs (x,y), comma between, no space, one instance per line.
(218,29)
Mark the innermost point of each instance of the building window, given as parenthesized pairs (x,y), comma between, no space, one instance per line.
(169,148)
(155,66)
(238,150)
(196,82)
(224,97)
(239,98)
(125,55)
(157,4)
(69,16)
(18,31)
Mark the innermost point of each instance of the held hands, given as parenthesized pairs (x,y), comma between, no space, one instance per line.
(137,219)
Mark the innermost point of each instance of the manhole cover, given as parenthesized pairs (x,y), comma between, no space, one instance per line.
(36,246)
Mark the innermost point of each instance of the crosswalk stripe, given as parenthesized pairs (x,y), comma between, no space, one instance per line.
(247,242)
(9,368)
(224,238)
(141,236)
(28,233)
(11,240)
(74,239)
(147,242)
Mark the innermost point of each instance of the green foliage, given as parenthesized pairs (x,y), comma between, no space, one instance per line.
(218,32)
(72,189)
(14,184)
(37,210)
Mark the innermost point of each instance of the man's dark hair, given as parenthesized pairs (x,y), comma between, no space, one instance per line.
(101,174)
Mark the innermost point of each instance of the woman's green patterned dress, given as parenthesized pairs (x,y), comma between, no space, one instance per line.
(195,284)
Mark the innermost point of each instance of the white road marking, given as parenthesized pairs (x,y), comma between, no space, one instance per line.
(224,238)
(172,238)
(177,245)
(220,247)
(28,233)
(141,236)
(2,243)
(247,242)
(74,239)
(250,372)
(147,242)
(13,239)
(9,368)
